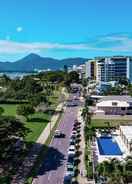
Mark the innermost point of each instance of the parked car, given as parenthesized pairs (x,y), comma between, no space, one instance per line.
(71,151)
(70,161)
(72,142)
(76,127)
(74,132)
(76,121)
(73,137)
(67,179)
(59,134)
(70,170)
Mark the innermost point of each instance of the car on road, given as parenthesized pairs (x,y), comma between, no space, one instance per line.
(71,150)
(67,179)
(72,142)
(73,137)
(59,134)
(70,161)
(76,128)
(70,170)
(75,121)
(74,132)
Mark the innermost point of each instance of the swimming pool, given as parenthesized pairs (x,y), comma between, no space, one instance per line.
(108,146)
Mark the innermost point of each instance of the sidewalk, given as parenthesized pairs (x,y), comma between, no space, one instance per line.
(82,171)
(82,179)
(29,161)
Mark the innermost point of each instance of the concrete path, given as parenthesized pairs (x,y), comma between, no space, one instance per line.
(29,161)
(46,132)
(82,179)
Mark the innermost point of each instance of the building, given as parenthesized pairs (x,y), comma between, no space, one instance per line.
(114,105)
(108,69)
(79,69)
(126,135)
(91,69)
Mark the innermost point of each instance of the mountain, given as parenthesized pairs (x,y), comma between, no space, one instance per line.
(34,61)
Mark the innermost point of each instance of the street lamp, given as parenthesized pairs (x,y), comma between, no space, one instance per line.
(50,120)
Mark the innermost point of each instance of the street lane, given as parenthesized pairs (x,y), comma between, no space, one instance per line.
(54,165)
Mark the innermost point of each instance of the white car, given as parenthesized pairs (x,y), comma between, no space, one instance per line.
(72,150)
(59,134)
(74,132)
(70,171)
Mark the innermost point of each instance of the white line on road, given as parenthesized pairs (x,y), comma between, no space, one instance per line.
(49,176)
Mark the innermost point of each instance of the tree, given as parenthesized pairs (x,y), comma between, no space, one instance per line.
(1,111)
(116,171)
(86,114)
(36,100)
(84,82)
(72,77)
(25,110)
(123,81)
(11,129)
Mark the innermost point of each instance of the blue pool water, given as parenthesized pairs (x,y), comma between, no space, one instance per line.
(108,146)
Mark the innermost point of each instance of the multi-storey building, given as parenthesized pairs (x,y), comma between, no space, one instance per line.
(109,68)
(91,69)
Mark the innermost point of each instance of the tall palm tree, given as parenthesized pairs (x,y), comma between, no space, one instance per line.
(86,114)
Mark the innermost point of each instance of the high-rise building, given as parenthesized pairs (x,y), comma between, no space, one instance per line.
(108,69)
(91,69)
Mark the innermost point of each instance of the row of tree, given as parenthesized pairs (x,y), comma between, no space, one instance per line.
(115,171)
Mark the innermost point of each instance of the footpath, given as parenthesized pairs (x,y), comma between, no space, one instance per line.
(82,178)
(29,161)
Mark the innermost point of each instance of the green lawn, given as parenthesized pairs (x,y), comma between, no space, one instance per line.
(10,110)
(113,123)
(37,122)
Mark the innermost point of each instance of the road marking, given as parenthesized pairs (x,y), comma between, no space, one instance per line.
(49,176)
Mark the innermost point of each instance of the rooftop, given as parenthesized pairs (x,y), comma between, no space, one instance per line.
(116,98)
(127,131)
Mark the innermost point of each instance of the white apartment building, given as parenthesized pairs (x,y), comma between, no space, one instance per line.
(126,135)
(108,69)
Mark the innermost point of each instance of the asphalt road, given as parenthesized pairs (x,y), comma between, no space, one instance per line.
(54,165)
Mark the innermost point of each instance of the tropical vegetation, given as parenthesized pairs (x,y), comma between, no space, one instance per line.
(115,171)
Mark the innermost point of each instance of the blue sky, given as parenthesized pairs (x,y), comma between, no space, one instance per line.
(65,28)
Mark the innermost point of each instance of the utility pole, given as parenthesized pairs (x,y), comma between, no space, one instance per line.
(50,120)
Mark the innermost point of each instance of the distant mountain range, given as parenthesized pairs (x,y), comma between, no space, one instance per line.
(34,61)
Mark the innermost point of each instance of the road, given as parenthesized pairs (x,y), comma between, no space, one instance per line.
(54,165)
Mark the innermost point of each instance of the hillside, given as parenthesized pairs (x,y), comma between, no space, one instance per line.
(34,61)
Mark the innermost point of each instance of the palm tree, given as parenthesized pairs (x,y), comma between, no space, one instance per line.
(86,115)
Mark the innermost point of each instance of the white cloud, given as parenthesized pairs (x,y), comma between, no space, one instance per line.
(19,29)
(11,47)
(108,43)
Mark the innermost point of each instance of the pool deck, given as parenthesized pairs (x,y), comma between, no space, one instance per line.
(100,158)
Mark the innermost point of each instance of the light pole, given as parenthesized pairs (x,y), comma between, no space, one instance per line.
(50,120)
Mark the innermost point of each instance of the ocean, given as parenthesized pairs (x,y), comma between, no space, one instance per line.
(14,75)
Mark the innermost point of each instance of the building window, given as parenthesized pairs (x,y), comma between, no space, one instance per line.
(114,103)
(123,108)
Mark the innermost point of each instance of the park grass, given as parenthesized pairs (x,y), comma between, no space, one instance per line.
(9,109)
(36,124)
(43,152)
(102,123)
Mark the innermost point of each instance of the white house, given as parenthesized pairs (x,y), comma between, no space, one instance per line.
(115,105)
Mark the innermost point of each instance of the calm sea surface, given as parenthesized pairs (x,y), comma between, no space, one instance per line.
(14,75)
